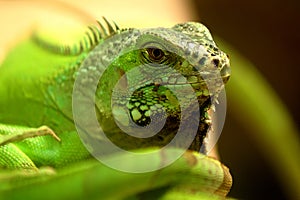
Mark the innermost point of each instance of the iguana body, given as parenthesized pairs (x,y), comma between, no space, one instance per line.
(37,78)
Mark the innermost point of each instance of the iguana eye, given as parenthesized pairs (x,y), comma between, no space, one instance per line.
(155,54)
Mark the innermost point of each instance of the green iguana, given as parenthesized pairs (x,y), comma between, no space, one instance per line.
(155,70)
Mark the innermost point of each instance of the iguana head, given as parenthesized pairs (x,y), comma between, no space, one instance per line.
(179,57)
(153,75)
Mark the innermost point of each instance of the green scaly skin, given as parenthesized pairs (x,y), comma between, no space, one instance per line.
(36,84)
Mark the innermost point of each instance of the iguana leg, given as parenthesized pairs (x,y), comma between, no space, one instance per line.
(10,155)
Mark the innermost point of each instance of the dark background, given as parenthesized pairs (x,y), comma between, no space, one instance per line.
(267,33)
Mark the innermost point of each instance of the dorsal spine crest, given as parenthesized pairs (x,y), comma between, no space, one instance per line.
(91,38)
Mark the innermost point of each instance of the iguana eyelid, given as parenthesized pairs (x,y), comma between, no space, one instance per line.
(154,45)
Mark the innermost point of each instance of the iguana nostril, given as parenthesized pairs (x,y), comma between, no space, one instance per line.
(216,62)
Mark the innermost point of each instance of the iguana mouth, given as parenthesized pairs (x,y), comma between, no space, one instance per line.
(202,83)
(178,81)
(225,73)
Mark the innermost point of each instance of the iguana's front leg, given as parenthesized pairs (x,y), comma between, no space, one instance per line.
(11,156)
(24,147)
